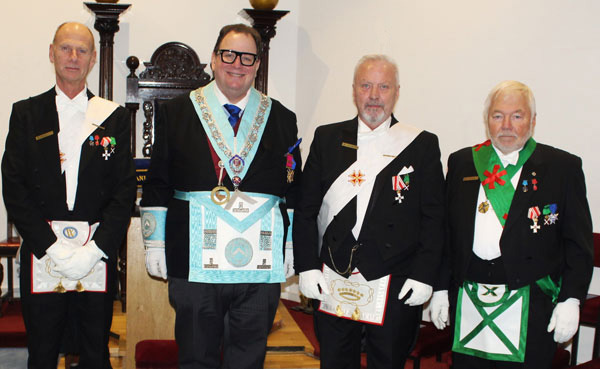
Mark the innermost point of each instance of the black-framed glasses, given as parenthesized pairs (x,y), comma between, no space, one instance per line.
(229,56)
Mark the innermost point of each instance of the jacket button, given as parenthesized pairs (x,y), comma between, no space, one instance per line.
(388,245)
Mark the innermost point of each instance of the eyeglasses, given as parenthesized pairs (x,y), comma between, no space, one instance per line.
(229,56)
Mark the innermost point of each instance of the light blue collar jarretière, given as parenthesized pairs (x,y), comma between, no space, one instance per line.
(219,131)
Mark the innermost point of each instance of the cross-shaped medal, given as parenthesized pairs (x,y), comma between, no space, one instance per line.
(535,226)
(399,197)
(106,155)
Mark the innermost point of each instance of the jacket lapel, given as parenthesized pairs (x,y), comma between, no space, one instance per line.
(522,200)
(349,138)
(469,188)
(87,151)
(46,134)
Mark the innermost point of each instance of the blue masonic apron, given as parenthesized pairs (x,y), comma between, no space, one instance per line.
(239,241)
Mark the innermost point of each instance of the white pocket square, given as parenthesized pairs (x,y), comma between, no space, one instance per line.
(406,170)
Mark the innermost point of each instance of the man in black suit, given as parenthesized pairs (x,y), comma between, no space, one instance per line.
(369,227)
(520,242)
(69,186)
(223,171)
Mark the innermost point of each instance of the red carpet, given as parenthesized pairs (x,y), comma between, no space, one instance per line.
(12,328)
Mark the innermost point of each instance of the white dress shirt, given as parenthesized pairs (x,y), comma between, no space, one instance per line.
(366,136)
(488,230)
(71,116)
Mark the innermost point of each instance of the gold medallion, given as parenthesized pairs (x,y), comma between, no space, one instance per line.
(484,207)
(219,195)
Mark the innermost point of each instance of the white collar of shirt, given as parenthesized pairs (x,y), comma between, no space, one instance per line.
(224,100)
(64,103)
(364,131)
(510,158)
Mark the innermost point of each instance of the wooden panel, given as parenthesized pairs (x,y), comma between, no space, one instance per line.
(149,315)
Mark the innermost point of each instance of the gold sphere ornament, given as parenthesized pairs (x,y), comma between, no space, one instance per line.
(264,4)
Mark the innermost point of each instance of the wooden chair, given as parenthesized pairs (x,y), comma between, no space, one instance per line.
(590,311)
(173,69)
(8,249)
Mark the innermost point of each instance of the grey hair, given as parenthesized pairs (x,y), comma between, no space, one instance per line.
(377,57)
(509,86)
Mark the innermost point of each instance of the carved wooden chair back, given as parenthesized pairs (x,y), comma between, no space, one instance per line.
(174,69)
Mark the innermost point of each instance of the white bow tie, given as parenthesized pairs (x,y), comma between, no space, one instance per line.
(511,158)
(79,103)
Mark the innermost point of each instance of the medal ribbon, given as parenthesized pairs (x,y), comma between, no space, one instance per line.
(499,191)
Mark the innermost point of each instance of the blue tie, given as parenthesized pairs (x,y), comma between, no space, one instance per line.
(234,114)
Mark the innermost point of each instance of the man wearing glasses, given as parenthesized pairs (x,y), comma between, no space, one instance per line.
(224,169)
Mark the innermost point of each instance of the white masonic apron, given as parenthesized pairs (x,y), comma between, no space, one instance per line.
(356,298)
(44,277)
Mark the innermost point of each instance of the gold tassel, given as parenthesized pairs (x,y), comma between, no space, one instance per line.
(60,288)
(79,287)
(338,311)
(356,314)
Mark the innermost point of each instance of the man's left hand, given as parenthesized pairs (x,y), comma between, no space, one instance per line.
(421,292)
(565,320)
(82,261)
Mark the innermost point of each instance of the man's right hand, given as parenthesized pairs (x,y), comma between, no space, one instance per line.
(309,284)
(60,252)
(156,262)
(438,309)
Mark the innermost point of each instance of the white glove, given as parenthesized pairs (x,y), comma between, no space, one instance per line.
(565,320)
(421,292)
(60,252)
(309,284)
(156,262)
(438,309)
(82,261)
(288,263)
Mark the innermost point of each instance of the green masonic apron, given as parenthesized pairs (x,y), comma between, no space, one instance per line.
(491,320)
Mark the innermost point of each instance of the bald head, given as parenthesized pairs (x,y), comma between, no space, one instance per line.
(73,55)
(74,26)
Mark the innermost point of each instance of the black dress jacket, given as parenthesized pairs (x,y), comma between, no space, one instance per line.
(563,250)
(403,239)
(34,188)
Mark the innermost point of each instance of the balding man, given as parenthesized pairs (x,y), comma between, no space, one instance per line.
(368,231)
(69,185)
(520,242)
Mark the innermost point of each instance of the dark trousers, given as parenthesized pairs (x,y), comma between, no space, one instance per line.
(540,345)
(199,323)
(47,315)
(387,346)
